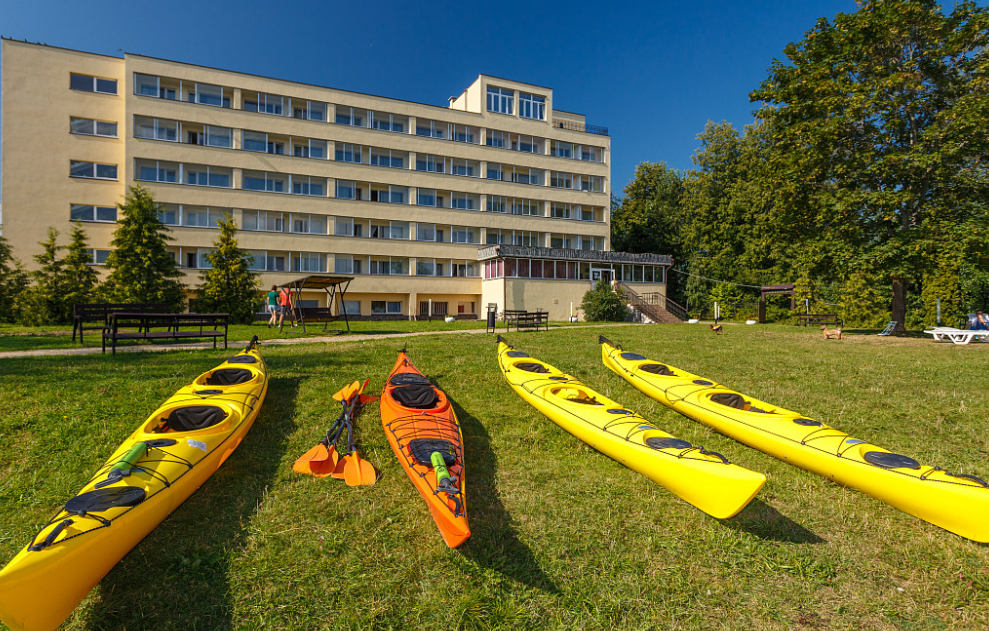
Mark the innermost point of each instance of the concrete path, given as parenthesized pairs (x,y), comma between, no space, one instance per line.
(369,337)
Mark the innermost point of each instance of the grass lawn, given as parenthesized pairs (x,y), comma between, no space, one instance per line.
(563,537)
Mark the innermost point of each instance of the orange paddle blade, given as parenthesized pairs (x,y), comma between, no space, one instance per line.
(358,472)
(338,470)
(315,460)
(346,392)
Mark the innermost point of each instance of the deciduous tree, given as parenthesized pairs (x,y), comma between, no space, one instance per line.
(880,132)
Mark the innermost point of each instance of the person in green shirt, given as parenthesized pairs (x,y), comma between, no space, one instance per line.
(273,305)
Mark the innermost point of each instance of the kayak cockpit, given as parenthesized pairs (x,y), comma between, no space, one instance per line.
(191,418)
(224,377)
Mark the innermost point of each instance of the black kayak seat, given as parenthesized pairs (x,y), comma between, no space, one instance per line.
(229,377)
(242,359)
(193,417)
(657,369)
(101,500)
(532,367)
(418,397)
(735,400)
(409,379)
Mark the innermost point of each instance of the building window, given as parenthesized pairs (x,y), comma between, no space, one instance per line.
(263,221)
(562,149)
(428,232)
(389,122)
(207,176)
(380,307)
(464,234)
(496,139)
(98,257)
(349,153)
(308,224)
(463,167)
(156,129)
(390,194)
(351,307)
(83,212)
(308,262)
(149,85)
(388,158)
(432,129)
(265,104)
(346,189)
(310,110)
(351,116)
(528,207)
(561,180)
(87,83)
(310,149)
(592,183)
(254,141)
(270,182)
(304,185)
(532,106)
(199,217)
(219,137)
(463,201)
(426,197)
(426,162)
(464,133)
(560,211)
(89,127)
(92,170)
(500,100)
(345,264)
(497,204)
(206,94)
(168,214)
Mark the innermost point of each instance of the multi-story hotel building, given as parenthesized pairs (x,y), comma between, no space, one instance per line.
(496,198)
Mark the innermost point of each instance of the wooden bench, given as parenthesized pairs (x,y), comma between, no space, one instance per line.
(532,320)
(827,319)
(164,326)
(96,316)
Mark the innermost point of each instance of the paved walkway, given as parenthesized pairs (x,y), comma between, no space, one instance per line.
(369,337)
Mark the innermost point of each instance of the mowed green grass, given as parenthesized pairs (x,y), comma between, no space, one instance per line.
(563,537)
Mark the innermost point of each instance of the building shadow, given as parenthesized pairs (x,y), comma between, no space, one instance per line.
(177,577)
(494,542)
(762,520)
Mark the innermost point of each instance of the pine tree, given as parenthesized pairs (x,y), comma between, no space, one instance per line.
(81,279)
(141,268)
(44,302)
(13,282)
(229,285)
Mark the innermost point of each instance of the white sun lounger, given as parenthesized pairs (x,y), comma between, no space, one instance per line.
(956,336)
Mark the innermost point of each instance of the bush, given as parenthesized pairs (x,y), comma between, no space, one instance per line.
(602,304)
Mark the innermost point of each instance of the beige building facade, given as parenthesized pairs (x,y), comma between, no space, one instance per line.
(399,195)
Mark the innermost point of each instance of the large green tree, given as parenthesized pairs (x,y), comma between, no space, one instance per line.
(228,284)
(141,268)
(880,133)
(13,283)
(649,216)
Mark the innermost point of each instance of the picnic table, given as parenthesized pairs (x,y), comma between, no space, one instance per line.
(96,316)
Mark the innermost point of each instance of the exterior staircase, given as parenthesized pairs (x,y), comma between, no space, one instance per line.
(655,306)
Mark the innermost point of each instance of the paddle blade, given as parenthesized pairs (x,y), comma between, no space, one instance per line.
(339,468)
(315,460)
(347,392)
(358,472)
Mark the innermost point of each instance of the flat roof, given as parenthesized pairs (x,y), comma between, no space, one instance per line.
(591,256)
(319,281)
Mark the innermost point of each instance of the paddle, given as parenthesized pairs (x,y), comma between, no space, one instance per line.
(356,472)
(321,460)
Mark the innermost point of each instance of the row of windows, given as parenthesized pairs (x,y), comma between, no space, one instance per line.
(571,270)
(261,142)
(499,100)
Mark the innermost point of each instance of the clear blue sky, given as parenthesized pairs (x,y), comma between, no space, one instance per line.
(654,73)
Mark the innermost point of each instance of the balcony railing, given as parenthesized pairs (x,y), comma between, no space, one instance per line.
(578,126)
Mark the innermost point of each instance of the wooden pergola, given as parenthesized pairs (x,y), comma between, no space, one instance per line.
(775,290)
(330,284)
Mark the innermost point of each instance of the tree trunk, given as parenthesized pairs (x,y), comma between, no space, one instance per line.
(899,307)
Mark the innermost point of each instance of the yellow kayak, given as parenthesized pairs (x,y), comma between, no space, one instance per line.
(956,502)
(170,455)
(703,478)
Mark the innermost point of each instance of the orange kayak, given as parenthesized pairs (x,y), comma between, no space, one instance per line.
(424,433)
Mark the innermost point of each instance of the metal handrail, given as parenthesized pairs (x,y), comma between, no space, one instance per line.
(655,299)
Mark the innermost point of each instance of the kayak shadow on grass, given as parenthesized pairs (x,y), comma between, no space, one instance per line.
(177,578)
(762,520)
(494,542)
